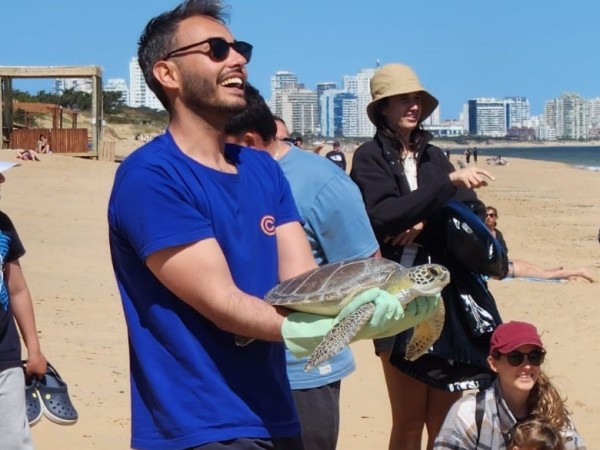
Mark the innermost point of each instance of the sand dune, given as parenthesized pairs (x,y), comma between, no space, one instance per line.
(549,214)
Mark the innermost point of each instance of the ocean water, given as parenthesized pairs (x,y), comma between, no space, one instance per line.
(587,158)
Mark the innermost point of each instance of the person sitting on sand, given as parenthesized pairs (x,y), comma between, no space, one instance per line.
(518,268)
(522,391)
(42,145)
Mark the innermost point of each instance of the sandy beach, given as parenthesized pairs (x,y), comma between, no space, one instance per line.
(549,214)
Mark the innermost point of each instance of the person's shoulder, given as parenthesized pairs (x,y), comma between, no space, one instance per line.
(368,150)
(148,154)
(5,223)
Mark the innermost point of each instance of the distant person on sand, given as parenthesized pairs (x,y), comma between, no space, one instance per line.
(468,155)
(336,156)
(42,145)
(337,227)
(199,232)
(27,155)
(475,154)
(298,141)
(518,268)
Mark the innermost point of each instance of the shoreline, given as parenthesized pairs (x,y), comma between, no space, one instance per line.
(512,144)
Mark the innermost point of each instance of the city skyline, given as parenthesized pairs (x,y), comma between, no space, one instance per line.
(461,50)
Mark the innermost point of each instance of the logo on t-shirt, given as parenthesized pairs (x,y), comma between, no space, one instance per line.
(267,225)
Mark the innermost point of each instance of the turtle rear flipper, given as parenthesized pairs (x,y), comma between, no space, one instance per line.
(425,334)
(340,335)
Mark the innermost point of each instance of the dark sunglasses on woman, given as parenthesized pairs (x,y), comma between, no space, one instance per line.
(218,49)
(516,358)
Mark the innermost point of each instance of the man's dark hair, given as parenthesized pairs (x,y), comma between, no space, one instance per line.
(257,117)
(298,139)
(158,37)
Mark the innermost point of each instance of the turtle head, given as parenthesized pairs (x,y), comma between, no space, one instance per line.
(426,279)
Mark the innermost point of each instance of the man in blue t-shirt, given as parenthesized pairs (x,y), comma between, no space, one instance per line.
(337,227)
(199,231)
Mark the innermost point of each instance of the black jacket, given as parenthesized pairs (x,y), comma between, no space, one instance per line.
(390,204)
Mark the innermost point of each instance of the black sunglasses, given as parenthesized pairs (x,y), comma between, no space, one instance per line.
(516,358)
(490,214)
(219,49)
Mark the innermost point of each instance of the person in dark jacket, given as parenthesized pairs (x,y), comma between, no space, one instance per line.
(405,182)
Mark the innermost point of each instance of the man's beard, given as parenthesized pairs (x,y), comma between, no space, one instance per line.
(201,96)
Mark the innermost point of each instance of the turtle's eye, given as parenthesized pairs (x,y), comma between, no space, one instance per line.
(434,271)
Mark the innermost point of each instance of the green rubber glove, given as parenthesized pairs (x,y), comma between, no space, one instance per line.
(417,311)
(302,332)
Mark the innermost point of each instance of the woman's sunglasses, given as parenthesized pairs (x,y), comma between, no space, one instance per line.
(516,358)
(218,49)
(490,214)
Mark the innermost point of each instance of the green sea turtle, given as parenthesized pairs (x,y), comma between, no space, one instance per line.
(327,289)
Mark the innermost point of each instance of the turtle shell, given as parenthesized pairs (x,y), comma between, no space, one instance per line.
(328,288)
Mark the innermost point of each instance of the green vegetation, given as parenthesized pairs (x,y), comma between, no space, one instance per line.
(115,111)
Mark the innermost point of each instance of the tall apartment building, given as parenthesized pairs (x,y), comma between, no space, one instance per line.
(569,115)
(434,118)
(300,111)
(488,117)
(359,85)
(519,111)
(118,85)
(321,88)
(77,84)
(594,108)
(339,114)
(139,92)
(282,83)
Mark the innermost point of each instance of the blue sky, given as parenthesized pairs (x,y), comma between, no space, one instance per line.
(461,49)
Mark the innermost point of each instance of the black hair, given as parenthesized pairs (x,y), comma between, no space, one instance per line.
(256,117)
(158,37)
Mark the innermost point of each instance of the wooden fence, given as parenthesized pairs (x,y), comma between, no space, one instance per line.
(61,140)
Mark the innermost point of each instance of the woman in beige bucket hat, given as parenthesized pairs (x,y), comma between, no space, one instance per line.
(405,181)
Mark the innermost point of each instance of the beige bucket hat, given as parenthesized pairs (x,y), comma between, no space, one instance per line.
(395,79)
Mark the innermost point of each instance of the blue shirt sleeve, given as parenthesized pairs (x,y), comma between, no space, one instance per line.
(155,213)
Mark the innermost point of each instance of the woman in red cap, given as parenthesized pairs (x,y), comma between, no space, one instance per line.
(521,392)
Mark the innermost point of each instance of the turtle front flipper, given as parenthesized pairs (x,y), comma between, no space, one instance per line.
(425,334)
(340,335)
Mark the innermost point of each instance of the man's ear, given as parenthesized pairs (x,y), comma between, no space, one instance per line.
(249,140)
(167,74)
(493,363)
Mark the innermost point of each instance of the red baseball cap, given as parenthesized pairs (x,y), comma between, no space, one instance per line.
(512,335)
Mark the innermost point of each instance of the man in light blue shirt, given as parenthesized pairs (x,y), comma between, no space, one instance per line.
(337,227)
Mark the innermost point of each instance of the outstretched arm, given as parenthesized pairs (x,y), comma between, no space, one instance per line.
(22,306)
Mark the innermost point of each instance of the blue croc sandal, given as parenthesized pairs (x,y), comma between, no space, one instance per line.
(32,402)
(54,396)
